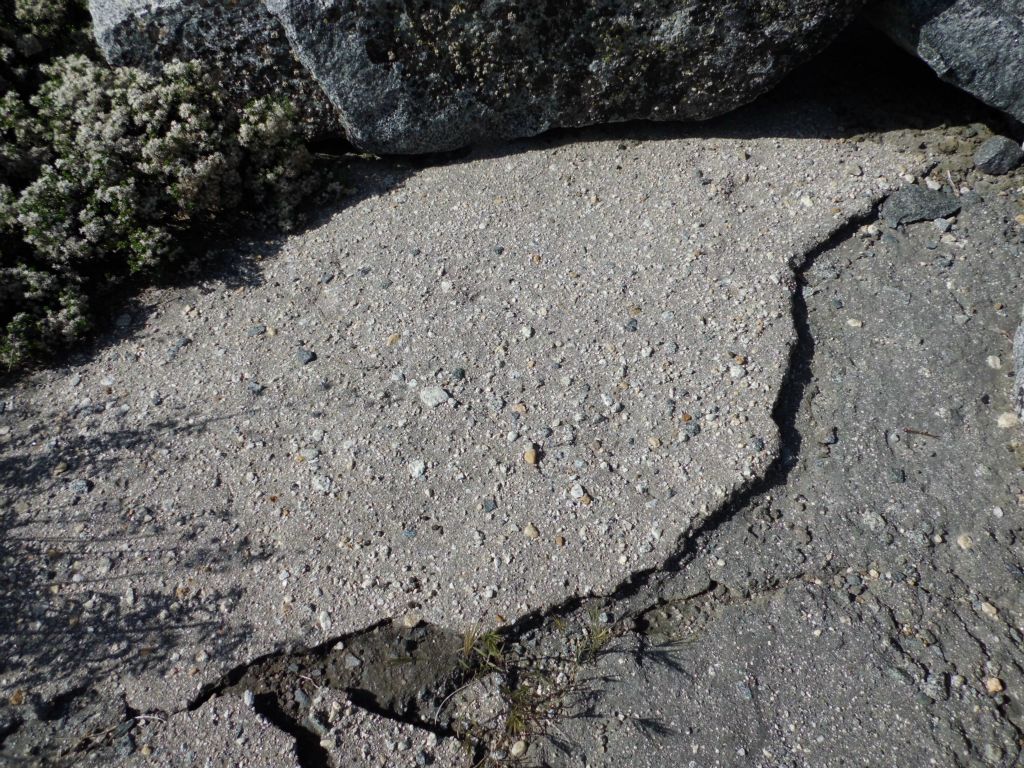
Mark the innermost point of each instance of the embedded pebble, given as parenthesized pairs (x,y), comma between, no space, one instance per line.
(1008,420)
(433,397)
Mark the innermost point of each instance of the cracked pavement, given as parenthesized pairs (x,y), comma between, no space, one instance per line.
(681,366)
(867,610)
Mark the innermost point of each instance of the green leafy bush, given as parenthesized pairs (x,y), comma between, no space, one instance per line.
(104,169)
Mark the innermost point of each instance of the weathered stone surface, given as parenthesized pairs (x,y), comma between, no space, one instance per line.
(430,76)
(974,44)
(912,204)
(243,43)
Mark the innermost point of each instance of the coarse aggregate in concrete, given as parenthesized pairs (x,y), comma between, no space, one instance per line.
(221,732)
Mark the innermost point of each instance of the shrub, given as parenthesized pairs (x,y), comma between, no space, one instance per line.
(279,168)
(132,157)
(103,171)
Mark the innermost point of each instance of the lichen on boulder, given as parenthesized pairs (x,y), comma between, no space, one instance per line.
(430,75)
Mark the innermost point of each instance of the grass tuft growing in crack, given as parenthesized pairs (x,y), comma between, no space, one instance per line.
(516,687)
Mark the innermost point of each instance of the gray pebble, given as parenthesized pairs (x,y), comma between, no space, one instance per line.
(177,346)
(999,155)
(352,662)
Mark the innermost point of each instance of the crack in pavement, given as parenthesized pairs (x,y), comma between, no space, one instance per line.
(273,682)
(633,607)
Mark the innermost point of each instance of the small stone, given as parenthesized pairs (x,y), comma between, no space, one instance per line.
(257,330)
(305,356)
(827,435)
(352,662)
(998,155)
(560,541)
(1007,420)
(432,397)
(994,362)
(994,685)
(530,456)
(737,371)
(412,619)
(526,332)
(308,454)
(530,531)
(125,745)
(855,323)
(417,468)
(989,610)
(393,339)
(993,752)
(577,491)
(912,204)
(518,749)
(964,541)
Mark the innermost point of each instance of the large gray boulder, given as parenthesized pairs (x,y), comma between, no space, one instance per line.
(430,75)
(244,45)
(977,45)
